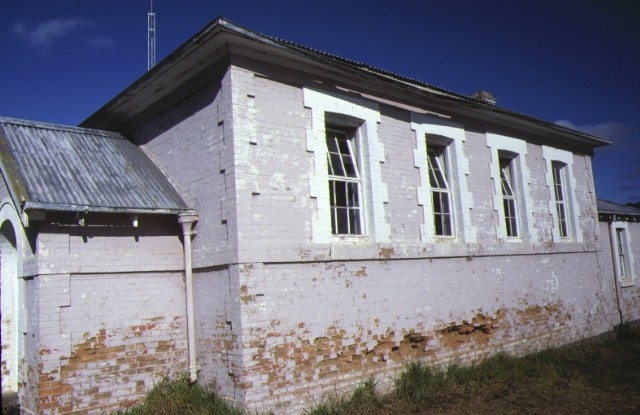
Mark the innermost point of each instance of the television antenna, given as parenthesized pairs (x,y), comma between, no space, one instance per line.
(151,38)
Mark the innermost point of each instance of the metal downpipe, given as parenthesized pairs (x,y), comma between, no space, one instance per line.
(187,220)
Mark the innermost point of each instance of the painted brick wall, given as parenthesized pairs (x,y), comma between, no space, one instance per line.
(110,245)
(101,347)
(29,374)
(315,316)
(189,142)
(313,325)
(192,142)
(274,167)
(218,329)
(106,313)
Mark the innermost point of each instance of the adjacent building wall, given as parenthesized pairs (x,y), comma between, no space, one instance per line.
(628,289)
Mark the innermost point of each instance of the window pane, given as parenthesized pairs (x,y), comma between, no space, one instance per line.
(342,144)
(332,147)
(437,171)
(437,202)
(335,163)
(442,214)
(349,166)
(342,215)
(622,252)
(340,193)
(344,184)
(561,206)
(333,221)
(352,192)
(509,199)
(354,221)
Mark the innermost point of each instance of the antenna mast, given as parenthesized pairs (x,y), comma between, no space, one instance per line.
(151,38)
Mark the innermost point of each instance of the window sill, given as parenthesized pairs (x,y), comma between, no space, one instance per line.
(445,239)
(627,282)
(513,239)
(350,239)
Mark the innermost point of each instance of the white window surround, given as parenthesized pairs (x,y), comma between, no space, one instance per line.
(375,227)
(441,191)
(631,271)
(516,146)
(424,126)
(551,154)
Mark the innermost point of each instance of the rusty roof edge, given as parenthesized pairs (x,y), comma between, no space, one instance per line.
(55,207)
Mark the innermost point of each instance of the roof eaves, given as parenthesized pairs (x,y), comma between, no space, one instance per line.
(353,68)
(53,207)
(357,68)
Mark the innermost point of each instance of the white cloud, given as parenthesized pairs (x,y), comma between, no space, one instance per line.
(44,34)
(610,130)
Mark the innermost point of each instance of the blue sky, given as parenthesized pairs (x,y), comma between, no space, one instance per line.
(572,62)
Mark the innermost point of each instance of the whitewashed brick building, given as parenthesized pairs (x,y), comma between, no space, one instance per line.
(347,220)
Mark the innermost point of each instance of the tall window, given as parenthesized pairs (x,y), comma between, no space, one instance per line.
(559,191)
(440,190)
(509,197)
(623,254)
(345,183)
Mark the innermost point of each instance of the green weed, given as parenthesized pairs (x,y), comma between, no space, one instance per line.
(178,397)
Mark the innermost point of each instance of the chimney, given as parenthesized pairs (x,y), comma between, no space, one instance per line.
(484,96)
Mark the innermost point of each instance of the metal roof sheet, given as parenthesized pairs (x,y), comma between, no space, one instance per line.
(54,167)
(604,206)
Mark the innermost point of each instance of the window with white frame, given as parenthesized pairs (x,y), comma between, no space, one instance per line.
(558,170)
(363,214)
(441,143)
(439,180)
(512,200)
(564,206)
(507,163)
(345,183)
(624,269)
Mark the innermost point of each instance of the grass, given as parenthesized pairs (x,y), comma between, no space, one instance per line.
(178,397)
(588,378)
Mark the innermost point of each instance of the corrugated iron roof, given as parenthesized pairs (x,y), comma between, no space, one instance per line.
(613,209)
(53,167)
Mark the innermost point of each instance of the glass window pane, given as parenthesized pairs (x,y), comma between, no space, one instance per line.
(354,221)
(336,163)
(352,194)
(342,216)
(349,167)
(437,205)
(344,183)
(340,193)
(332,147)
